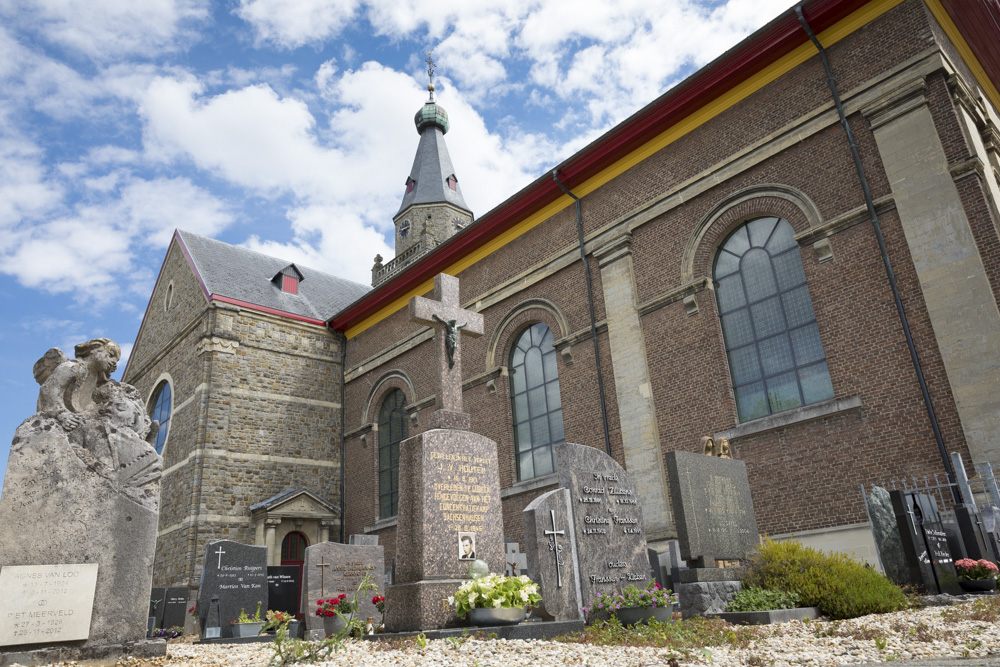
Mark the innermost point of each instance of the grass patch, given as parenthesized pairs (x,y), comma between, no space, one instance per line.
(985,609)
(682,637)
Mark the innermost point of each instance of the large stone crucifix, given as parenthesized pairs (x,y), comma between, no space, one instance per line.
(450,321)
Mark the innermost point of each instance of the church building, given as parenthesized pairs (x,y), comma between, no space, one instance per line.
(796,248)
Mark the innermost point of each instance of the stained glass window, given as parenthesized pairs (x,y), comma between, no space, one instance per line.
(776,358)
(161,412)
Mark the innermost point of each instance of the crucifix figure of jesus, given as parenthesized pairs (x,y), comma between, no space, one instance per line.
(444,313)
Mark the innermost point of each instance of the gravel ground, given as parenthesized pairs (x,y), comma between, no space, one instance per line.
(922,635)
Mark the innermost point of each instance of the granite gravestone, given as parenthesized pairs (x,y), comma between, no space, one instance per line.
(885,532)
(975,537)
(46,603)
(283,586)
(925,543)
(449,487)
(713,509)
(175,606)
(551,551)
(991,524)
(237,574)
(156,599)
(83,486)
(332,568)
(606,520)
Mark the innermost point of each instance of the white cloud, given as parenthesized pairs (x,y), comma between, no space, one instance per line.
(109,29)
(293,23)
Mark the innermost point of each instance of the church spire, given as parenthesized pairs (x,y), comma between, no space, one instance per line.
(433,207)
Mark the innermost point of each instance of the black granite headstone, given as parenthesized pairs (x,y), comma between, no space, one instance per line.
(237,573)
(175,606)
(156,597)
(925,542)
(885,531)
(977,540)
(284,584)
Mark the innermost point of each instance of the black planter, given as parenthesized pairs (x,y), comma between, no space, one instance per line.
(978,585)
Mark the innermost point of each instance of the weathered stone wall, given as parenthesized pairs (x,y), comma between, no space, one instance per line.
(256,411)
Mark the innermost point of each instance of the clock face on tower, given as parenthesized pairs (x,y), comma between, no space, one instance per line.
(404,229)
(458,224)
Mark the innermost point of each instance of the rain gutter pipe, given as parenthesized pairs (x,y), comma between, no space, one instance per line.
(831,82)
(590,303)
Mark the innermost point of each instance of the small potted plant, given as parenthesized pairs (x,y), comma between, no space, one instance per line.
(336,613)
(248,626)
(495,599)
(276,619)
(976,576)
(633,605)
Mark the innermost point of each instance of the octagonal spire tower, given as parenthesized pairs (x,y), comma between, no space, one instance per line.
(433,208)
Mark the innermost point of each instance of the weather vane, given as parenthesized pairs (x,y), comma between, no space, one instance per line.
(430,73)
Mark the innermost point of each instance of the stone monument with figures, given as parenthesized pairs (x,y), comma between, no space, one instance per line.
(79,516)
(449,488)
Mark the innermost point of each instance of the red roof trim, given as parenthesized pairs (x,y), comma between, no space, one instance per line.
(265,309)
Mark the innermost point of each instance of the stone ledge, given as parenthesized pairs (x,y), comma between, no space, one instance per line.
(107,654)
(381,524)
(790,417)
(707,574)
(768,617)
(530,485)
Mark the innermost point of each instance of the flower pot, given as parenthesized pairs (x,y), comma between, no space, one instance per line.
(333,624)
(487,616)
(634,615)
(247,629)
(978,585)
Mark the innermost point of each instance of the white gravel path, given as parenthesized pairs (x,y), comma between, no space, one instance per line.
(900,636)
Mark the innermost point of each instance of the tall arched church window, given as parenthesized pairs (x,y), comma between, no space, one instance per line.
(160,411)
(535,402)
(391,431)
(776,358)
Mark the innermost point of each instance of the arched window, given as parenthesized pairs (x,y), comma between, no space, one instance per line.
(293,548)
(161,413)
(535,402)
(775,355)
(391,431)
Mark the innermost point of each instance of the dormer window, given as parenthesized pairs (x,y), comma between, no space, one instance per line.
(452,182)
(410,184)
(288,279)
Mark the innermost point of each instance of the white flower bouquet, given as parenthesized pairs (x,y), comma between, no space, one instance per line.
(496,591)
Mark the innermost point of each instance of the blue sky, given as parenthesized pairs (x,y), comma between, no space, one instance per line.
(285,126)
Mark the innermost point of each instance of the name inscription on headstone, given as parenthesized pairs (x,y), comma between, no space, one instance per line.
(462,498)
(606,491)
(46,603)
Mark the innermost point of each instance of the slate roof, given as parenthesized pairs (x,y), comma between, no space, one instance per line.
(432,165)
(245,275)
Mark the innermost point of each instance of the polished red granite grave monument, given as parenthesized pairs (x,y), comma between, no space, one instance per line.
(449,489)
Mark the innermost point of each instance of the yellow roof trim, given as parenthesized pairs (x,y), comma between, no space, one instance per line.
(963,50)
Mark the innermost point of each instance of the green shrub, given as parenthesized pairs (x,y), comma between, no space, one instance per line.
(840,586)
(760,599)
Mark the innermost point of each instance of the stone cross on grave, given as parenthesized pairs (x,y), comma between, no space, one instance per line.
(444,314)
(557,548)
(322,574)
(220,552)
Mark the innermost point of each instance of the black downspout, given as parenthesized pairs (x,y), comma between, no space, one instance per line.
(590,303)
(957,496)
(343,462)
